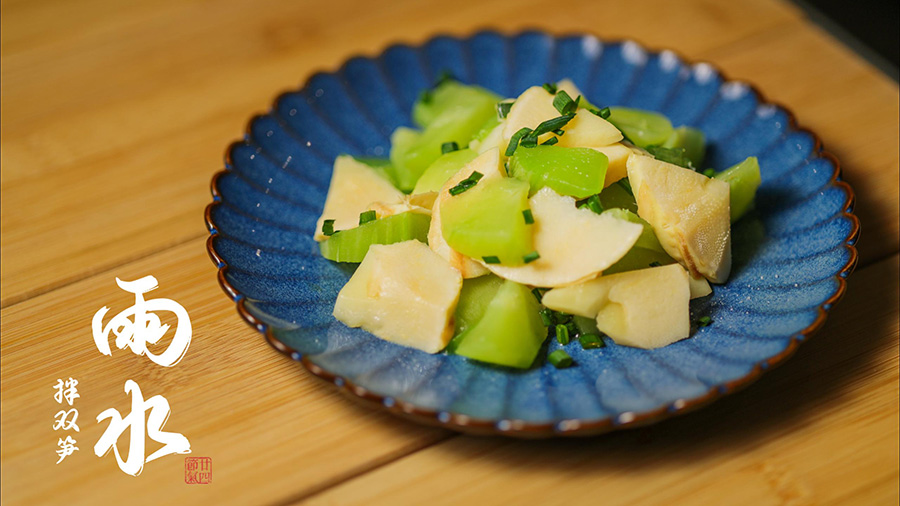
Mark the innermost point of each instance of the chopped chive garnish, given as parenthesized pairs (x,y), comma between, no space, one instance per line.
(529,218)
(503,109)
(591,341)
(550,87)
(449,147)
(551,141)
(514,140)
(560,317)
(564,103)
(538,293)
(367,217)
(328,227)
(560,359)
(558,131)
(466,183)
(547,317)
(562,334)
(704,321)
(626,185)
(529,141)
(655,264)
(572,328)
(674,156)
(531,257)
(709,172)
(593,203)
(603,113)
(491,260)
(461,187)
(551,125)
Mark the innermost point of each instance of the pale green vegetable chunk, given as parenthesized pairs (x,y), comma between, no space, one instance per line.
(353,244)
(509,333)
(442,169)
(577,172)
(743,179)
(644,128)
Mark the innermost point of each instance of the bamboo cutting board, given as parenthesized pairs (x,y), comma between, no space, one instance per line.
(114,117)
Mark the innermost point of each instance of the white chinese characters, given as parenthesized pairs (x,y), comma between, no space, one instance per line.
(138,325)
(66,419)
(135,328)
(152,426)
(66,447)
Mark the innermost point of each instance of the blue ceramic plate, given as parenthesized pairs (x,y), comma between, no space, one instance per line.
(791,256)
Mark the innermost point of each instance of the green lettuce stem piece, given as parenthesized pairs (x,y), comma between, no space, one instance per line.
(744,179)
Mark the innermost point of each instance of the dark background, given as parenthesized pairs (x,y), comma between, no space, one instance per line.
(870,27)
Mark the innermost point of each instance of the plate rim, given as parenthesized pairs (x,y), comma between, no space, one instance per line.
(570,427)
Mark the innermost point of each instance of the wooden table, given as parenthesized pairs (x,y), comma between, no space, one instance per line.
(116,114)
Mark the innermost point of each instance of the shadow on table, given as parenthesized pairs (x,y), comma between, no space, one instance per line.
(820,376)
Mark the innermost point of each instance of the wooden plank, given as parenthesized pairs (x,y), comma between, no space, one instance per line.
(271,429)
(849,103)
(153,96)
(822,428)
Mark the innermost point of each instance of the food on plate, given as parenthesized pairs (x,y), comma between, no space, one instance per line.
(689,212)
(404,293)
(645,308)
(499,223)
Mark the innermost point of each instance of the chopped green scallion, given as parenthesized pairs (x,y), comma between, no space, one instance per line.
(503,109)
(551,141)
(560,317)
(564,103)
(328,227)
(593,203)
(538,293)
(514,140)
(591,341)
(491,260)
(529,218)
(550,87)
(675,156)
(449,147)
(709,172)
(463,185)
(547,317)
(562,334)
(531,257)
(466,183)
(529,141)
(551,125)
(704,321)
(560,359)
(367,217)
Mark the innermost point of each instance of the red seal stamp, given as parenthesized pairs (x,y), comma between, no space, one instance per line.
(198,470)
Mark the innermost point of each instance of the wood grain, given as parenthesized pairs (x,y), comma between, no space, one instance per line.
(148,95)
(272,430)
(821,429)
(116,114)
(846,101)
